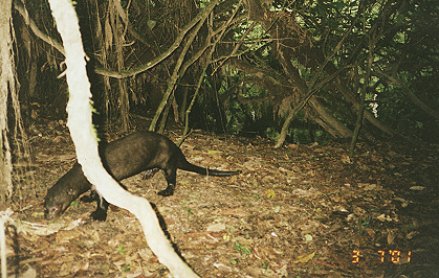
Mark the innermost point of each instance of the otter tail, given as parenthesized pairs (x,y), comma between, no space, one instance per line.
(183,164)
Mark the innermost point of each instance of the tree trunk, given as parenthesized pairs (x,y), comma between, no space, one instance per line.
(341,130)
(7,90)
(119,40)
(279,30)
(353,99)
(177,73)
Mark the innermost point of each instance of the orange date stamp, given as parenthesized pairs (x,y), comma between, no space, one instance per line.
(393,256)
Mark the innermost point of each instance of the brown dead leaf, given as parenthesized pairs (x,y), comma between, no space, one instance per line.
(359,211)
(411,235)
(283,204)
(346,159)
(303,259)
(214,153)
(216,227)
(417,188)
(293,146)
(390,237)
(384,217)
(270,194)
(370,232)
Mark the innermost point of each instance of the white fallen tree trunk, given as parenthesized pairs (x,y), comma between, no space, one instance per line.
(79,109)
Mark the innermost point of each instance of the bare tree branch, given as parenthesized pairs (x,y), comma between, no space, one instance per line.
(37,32)
(127,72)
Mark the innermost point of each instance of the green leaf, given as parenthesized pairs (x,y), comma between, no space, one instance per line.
(121,250)
(151,24)
(74,204)
(242,249)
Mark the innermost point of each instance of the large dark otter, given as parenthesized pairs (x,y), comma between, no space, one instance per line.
(123,158)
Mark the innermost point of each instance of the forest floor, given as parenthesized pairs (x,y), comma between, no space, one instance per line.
(298,211)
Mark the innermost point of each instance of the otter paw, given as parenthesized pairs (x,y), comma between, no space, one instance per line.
(99,215)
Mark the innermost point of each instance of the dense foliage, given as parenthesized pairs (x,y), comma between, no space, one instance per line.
(296,70)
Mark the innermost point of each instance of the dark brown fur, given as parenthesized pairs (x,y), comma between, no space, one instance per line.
(123,158)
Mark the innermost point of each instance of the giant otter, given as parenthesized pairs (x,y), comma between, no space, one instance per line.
(123,158)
